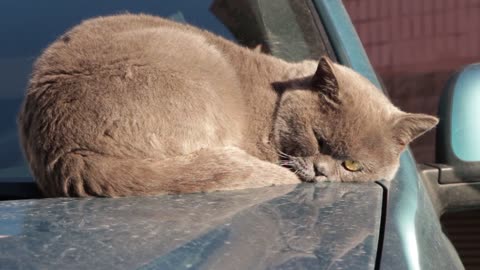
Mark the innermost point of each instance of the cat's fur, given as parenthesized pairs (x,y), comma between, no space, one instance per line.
(135,104)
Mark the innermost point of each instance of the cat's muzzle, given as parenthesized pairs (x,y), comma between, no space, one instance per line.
(305,169)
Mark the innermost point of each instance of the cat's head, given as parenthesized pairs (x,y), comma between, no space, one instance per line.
(336,125)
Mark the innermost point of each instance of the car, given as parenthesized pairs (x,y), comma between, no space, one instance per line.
(328,225)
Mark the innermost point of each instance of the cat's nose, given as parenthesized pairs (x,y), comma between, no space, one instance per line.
(320,169)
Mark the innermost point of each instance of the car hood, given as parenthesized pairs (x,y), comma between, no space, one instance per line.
(326,225)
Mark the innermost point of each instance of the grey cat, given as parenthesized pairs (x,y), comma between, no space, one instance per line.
(137,105)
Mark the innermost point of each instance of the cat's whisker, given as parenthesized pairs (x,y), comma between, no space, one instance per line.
(283,154)
(285,162)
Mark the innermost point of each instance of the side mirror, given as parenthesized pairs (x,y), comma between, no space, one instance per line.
(458,133)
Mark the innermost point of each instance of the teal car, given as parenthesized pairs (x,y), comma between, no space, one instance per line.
(329,225)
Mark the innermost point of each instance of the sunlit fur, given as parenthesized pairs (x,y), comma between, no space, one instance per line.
(138,105)
(362,125)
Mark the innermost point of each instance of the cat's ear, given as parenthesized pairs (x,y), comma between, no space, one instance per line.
(409,126)
(324,78)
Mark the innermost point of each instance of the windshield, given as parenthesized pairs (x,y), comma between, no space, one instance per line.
(29,26)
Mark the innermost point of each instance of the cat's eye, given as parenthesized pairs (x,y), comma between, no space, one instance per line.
(352,165)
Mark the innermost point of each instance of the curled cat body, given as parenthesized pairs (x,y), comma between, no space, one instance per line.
(139,105)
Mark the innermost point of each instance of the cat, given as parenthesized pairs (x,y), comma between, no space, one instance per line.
(139,105)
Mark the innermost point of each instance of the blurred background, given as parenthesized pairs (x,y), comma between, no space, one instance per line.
(415,46)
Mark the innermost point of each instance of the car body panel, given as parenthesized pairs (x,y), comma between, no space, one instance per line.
(413,236)
(332,225)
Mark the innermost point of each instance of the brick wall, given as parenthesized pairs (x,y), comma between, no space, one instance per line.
(415,45)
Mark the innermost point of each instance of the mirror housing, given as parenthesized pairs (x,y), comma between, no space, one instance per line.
(458,133)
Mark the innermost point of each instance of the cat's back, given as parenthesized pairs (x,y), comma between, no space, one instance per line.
(99,43)
(133,82)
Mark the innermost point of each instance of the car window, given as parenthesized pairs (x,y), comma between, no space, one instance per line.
(285,28)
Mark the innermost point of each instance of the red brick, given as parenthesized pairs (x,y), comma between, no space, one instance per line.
(424,8)
(462,4)
(395,8)
(357,10)
(417,7)
(450,22)
(386,55)
(372,9)
(469,46)
(366,4)
(362,10)
(451,4)
(424,57)
(409,52)
(396,56)
(379,61)
(372,31)
(428,25)
(352,10)
(383,55)
(451,46)
(470,20)
(462,48)
(368,34)
(405,8)
(418,49)
(474,19)
(463,20)
(476,44)
(362,32)
(435,47)
(439,22)
(417,26)
(405,52)
(472,3)
(377,55)
(444,47)
(412,6)
(428,49)
(395,26)
(384,8)
(406,28)
(373,54)
(428,6)
(385,31)
(438,5)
